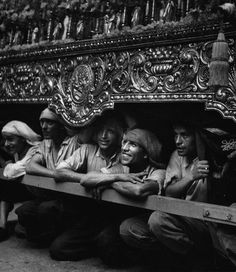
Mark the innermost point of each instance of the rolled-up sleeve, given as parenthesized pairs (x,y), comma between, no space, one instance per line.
(158,176)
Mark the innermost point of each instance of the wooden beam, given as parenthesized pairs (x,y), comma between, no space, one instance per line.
(77,189)
(199,210)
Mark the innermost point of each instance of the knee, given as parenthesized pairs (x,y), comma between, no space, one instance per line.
(126,228)
(156,223)
(25,210)
(106,238)
(46,207)
(56,250)
(110,248)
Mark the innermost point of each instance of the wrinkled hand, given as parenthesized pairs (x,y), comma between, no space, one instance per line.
(133,177)
(200,169)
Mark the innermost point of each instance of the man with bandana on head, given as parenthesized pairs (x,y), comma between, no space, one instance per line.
(21,142)
(39,216)
(139,174)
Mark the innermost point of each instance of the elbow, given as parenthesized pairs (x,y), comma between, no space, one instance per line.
(83,182)
(138,193)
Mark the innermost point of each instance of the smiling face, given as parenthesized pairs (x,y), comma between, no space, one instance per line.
(132,154)
(185,141)
(14,144)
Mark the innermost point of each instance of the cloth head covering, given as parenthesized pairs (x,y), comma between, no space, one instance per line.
(48,114)
(23,130)
(148,141)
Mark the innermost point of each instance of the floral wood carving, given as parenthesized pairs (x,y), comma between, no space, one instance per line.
(81,86)
(154,74)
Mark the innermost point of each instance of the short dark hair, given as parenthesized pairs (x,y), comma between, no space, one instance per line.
(186,124)
(113,118)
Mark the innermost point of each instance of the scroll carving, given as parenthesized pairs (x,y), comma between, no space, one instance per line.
(81,86)
(166,73)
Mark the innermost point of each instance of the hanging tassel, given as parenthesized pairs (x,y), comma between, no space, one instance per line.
(219,65)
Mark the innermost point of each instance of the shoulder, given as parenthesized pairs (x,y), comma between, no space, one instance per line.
(153,171)
(86,149)
(115,169)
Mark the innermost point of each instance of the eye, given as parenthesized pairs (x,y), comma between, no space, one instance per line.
(133,144)
(111,131)
(123,142)
(50,123)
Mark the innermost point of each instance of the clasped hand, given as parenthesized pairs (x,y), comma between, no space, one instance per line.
(200,169)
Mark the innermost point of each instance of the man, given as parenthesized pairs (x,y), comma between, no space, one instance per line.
(186,178)
(140,174)
(39,216)
(75,242)
(57,146)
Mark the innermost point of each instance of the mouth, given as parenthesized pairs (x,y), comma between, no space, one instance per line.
(125,155)
(180,150)
(103,142)
(10,150)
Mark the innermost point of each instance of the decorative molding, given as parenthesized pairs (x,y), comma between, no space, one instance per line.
(176,72)
(81,84)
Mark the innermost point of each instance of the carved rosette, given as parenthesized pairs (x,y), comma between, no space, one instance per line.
(81,97)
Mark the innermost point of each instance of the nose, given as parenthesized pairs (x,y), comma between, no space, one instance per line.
(125,146)
(104,133)
(6,143)
(44,125)
(178,140)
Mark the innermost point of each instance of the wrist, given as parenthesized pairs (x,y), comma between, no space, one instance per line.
(116,177)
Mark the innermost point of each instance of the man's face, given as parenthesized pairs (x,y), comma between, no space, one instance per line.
(14,144)
(107,137)
(132,154)
(185,141)
(50,129)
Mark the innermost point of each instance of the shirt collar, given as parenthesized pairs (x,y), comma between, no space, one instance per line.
(114,157)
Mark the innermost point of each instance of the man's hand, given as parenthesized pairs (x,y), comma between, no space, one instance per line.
(200,170)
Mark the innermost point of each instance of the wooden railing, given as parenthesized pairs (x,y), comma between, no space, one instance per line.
(204,211)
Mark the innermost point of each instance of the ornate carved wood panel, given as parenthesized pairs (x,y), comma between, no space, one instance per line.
(80,81)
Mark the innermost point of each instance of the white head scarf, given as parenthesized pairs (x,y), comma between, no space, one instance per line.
(48,114)
(23,130)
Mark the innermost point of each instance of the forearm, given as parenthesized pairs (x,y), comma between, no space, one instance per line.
(95,179)
(67,175)
(39,170)
(179,188)
(151,188)
(129,189)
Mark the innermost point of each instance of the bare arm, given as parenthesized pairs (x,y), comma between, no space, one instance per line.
(179,188)
(35,167)
(136,190)
(95,179)
(68,175)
